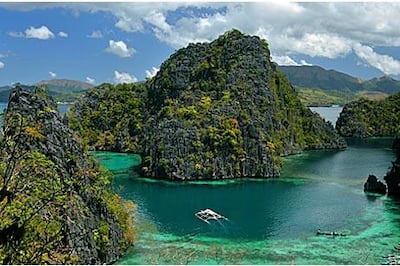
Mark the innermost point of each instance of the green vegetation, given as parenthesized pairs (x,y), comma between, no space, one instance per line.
(110,117)
(214,110)
(368,118)
(318,97)
(54,199)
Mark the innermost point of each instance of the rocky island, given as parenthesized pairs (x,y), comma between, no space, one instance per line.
(370,118)
(214,110)
(379,118)
(56,206)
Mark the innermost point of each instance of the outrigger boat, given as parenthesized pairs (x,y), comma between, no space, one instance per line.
(319,232)
(208,214)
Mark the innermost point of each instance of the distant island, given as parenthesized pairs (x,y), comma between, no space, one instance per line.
(371,118)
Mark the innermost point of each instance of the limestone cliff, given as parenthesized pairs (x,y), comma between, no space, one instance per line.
(223,110)
(55,204)
(214,110)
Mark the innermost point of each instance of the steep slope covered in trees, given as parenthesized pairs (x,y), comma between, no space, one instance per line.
(367,118)
(222,110)
(110,117)
(55,204)
(214,110)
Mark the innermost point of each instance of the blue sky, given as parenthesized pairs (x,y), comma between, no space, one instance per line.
(124,42)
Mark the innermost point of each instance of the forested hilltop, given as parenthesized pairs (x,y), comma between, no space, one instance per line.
(56,206)
(369,118)
(214,110)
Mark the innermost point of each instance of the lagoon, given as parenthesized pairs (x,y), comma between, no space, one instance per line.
(272,221)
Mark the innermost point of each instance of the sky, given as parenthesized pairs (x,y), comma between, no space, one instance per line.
(127,42)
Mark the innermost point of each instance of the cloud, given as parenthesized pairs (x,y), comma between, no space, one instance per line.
(151,73)
(42,33)
(284,61)
(63,34)
(120,48)
(90,80)
(2,65)
(95,35)
(328,29)
(52,74)
(305,63)
(124,77)
(320,29)
(384,63)
(288,61)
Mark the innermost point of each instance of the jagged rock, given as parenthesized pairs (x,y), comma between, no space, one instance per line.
(374,185)
(93,224)
(392,179)
(214,110)
(222,110)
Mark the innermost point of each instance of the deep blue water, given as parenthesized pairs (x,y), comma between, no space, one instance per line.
(271,221)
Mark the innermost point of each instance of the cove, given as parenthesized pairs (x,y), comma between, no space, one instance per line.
(271,221)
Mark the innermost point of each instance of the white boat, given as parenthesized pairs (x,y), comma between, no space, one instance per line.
(208,214)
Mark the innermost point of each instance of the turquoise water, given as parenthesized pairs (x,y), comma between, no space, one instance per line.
(271,221)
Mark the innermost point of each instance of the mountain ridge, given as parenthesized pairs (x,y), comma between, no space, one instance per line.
(321,78)
(65,90)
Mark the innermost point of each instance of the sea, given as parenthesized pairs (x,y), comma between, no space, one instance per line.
(270,221)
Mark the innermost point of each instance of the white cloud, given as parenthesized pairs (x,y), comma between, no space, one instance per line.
(288,61)
(327,29)
(124,77)
(320,29)
(305,63)
(151,73)
(63,34)
(384,63)
(52,74)
(42,33)
(120,48)
(95,35)
(90,80)
(284,61)
(2,64)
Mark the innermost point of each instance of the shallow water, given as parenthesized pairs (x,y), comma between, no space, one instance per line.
(271,221)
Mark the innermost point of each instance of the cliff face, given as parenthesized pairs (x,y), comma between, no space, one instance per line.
(392,178)
(367,118)
(54,200)
(222,110)
(214,110)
